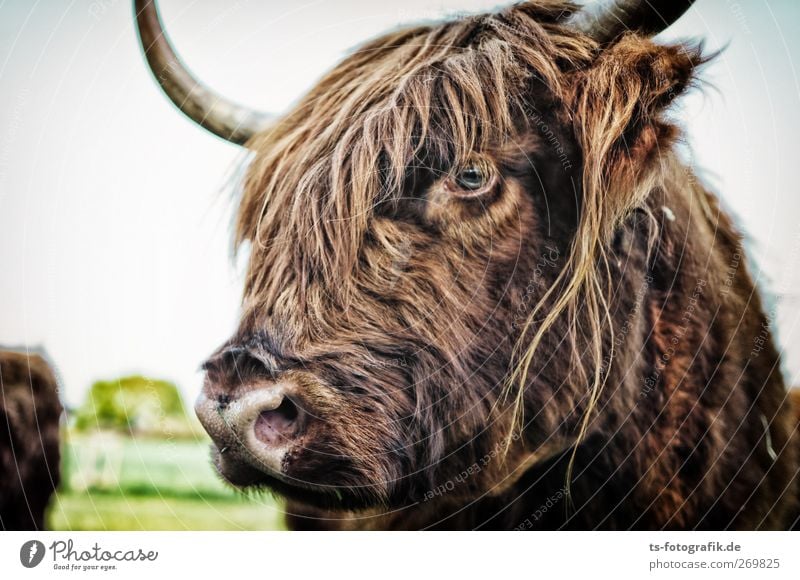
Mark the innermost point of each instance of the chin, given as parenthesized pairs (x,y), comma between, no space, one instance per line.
(328,496)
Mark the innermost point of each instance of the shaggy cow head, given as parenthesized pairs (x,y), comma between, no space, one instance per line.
(431,234)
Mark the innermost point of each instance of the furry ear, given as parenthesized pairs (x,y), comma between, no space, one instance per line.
(617,106)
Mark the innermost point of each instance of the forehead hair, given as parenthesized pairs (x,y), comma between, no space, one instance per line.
(423,96)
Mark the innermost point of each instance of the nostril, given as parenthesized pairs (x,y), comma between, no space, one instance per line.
(277,425)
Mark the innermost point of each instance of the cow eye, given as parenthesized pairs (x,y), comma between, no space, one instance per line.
(472,178)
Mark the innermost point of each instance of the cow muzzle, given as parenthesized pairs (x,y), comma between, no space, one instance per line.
(253,431)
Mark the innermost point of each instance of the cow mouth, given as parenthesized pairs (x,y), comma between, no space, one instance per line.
(244,477)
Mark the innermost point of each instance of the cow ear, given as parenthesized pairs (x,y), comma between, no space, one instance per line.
(617,108)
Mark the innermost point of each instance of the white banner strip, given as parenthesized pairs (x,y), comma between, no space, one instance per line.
(263,555)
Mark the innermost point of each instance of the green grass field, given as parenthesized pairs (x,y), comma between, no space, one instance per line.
(111,482)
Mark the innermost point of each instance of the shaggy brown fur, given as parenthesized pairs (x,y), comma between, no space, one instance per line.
(579,345)
(29,435)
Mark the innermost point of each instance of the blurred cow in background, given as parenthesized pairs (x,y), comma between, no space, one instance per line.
(30,413)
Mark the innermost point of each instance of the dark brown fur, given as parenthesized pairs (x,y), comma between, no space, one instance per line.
(29,434)
(580,347)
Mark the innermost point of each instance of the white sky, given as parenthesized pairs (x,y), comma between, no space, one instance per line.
(114,237)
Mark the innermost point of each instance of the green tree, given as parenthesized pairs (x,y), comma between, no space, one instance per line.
(134,404)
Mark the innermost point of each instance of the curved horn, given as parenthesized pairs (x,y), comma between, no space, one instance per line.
(604,20)
(213,112)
